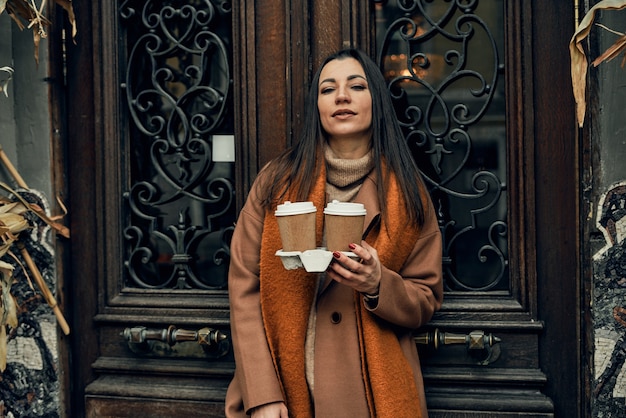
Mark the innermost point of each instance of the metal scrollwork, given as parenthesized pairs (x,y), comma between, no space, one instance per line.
(177,86)
(441,60)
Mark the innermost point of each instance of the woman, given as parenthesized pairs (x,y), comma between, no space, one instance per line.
(336,344)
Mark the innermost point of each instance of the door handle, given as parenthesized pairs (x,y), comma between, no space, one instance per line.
(157,341)
(485,347)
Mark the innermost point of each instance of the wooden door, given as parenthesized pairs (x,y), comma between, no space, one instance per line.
(159,92)
(482,91)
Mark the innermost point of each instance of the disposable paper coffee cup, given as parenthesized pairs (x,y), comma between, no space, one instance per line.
(344,224)
(296,221)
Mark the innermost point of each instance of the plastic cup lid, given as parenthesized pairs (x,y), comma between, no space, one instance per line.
(345,208)
(294,208)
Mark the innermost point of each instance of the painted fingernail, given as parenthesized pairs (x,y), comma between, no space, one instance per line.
(352,246)
(336,254)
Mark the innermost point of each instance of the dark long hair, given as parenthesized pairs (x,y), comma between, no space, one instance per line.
(299,165)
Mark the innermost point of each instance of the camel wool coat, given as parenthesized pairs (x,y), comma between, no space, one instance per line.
(407,301)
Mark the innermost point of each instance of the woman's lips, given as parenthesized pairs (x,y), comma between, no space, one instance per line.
(343,113)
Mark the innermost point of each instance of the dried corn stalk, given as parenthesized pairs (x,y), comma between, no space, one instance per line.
(27,14)
(579,59)
(11,224)
(22,206)
(8,310)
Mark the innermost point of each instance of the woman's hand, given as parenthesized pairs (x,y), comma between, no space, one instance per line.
(271,410)
(364,275)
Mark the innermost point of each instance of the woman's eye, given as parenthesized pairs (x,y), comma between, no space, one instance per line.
(326,90)
(358,87)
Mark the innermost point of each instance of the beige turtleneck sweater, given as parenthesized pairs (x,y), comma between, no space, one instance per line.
(344,178)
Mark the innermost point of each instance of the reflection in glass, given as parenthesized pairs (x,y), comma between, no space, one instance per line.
(179,210)
(443,63)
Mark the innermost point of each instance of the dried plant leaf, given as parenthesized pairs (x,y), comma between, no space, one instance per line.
(69,9)
(7,206)
(5,247)
(3,348)
(13,222)
(26,15)
(23,10)
(7,242)
(578,57)
(24,270)
(36,41)
(5,83)
(613,51)
(8,309)
(59,228)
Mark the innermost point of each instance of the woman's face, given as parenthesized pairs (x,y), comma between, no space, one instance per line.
(344,102)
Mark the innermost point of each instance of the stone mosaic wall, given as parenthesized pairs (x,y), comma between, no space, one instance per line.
(609,307)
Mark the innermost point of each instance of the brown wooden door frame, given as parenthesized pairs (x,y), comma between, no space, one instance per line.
(557,216)
(82,168)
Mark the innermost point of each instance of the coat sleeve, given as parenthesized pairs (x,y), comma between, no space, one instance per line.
(410,297)
(255,376)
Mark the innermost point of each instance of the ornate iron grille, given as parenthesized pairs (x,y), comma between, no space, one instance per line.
(445,74)
(179,211)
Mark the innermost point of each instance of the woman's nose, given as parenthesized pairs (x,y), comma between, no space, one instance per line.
(342,95)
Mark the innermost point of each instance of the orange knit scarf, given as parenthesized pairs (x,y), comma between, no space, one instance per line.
(286,298)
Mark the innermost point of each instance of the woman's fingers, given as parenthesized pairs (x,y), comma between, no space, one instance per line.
(362,274)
